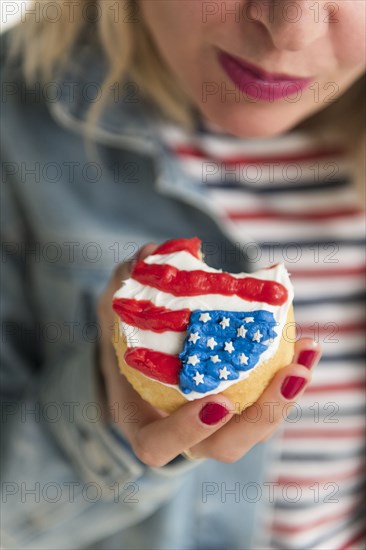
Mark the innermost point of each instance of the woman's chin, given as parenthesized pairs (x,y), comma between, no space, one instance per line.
(250,125)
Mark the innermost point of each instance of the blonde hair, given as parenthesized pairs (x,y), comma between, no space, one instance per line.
(44,46)
(44,42)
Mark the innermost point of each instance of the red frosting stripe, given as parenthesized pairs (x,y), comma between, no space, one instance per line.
(146,316)
(157,365)
(169,279)
(193,246)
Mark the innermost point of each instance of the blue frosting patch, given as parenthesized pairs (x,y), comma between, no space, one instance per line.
(219,344)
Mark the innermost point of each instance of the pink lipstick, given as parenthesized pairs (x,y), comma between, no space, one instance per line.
(259,84)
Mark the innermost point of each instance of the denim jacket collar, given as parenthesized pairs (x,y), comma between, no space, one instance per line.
(125,120)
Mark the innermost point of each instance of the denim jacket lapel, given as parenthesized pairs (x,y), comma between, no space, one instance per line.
(126,122)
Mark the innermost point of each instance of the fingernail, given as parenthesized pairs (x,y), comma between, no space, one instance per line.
(212,413)
(307,357)
(292,385)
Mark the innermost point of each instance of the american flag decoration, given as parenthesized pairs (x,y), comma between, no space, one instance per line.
(219,344)
(176,329)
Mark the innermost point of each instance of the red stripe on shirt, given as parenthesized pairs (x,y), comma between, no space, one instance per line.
(336,387)
(186,151)
(282,528)
(294,216)
(331,328)
(361,536)
(306,434)
(307,482)
(336,272)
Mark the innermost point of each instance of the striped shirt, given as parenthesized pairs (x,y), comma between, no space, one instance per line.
(293,200)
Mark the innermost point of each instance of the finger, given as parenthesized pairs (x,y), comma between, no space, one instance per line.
(126,408)
(155,437)
(262,418)
(157,443)
(307,353)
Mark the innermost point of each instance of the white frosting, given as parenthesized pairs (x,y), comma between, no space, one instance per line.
(172,342)
(166,342)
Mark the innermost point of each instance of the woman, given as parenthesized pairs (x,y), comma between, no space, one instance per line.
(130,122)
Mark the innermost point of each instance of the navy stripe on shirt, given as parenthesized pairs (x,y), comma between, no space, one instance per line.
(322,457)
(270,188)
(356,297)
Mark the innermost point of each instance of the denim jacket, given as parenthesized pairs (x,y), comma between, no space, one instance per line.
(69,216)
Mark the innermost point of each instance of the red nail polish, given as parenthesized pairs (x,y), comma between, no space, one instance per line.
(307,357)
(212,413)
(292,385)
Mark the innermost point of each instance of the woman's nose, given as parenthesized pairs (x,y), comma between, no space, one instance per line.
(294,25)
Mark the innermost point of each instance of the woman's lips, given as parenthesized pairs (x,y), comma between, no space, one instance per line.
(259,84)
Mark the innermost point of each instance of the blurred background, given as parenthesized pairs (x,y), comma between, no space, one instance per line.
(11,12)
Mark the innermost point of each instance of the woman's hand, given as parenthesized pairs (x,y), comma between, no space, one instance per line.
(207,427)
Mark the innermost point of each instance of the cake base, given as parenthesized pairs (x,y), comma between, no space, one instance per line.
(242,394)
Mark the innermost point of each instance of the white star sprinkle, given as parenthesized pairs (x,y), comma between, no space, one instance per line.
(215,359)
(211,343)
(224,373)
(193,360)
(229,347)
(243,359)
(198,378)
(249,319)
(225,322)
(257,336)
(194,337)
(241,332)
(204,317)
